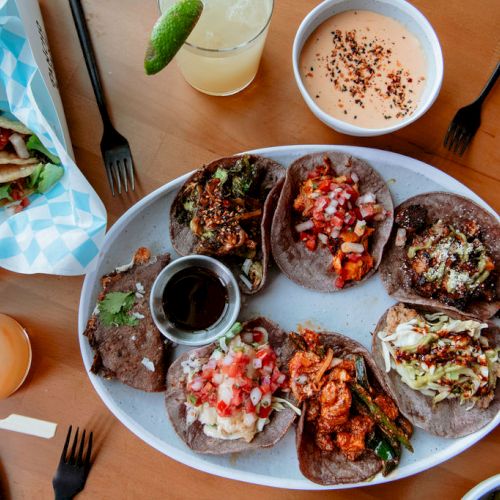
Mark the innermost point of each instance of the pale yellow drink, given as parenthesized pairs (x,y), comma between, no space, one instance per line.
(222,54)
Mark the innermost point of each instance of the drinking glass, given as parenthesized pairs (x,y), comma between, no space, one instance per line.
(221,55)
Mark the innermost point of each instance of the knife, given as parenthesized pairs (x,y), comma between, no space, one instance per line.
(28,425)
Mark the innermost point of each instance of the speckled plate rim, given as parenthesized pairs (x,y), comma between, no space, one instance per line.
(196,461)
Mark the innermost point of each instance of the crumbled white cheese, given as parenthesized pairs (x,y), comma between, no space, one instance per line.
(139,294)
(95,312)
(134,337)
(148,364)
(138,315)
(125,267)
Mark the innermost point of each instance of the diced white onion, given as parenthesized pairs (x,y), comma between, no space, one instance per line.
(18,142)
(247,337)
(228,360)
(348,247)
(304,226)
(217,378)
(246,266)
(354,177)
(249,419)
(335,233)
(347,196)
(332,207)
(365,211)
(246,281)
(266,399)
(335,362)
(400,237)
(197,384)
(301,379)
(255,395)
(281,378)
(212,363)
(257,363)
(323,238)
(225,393)
(360,227)
(366,198)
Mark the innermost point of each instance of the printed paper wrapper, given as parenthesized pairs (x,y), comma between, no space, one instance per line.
(61,231)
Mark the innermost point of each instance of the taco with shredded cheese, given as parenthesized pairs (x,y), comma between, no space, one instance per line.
(444,252)
(227,397)
(334,217)
(441,366)
(225,210)
(26,166)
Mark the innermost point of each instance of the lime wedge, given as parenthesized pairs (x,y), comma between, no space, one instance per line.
(170,32)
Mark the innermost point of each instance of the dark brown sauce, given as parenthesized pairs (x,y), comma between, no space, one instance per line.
(194,299)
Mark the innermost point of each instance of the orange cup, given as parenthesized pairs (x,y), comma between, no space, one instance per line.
(15,355)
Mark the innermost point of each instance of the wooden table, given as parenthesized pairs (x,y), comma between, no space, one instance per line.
(171,129)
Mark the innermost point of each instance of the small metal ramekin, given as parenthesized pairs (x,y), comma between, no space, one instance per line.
(223,324)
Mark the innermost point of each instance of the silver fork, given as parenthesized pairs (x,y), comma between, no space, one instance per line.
(114,147)
(466,122)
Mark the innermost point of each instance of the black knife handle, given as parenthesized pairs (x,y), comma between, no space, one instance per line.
(88,54)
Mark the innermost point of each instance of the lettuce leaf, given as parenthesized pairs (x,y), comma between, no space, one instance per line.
(4,191)
(48,176)
(34,144)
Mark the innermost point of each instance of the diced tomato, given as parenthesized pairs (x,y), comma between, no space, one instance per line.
(258,336)
(246,384)
(237,398)
(25,202)
(16,194)
(324,186)
(4,137)
(311,244)
(223,410)
(265,388)
(339,282)
(249,407)
(337,221)
(225,203)
(354,257)
(264,411)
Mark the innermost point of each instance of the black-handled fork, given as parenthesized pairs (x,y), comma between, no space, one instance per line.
(468,119)
(114,147)
(73,468)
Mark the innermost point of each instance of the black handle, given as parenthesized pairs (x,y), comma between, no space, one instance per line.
(88,53)
(490,84)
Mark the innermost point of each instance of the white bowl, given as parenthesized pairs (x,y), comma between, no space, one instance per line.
(403,12)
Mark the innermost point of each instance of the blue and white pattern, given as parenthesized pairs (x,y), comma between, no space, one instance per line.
(61,231)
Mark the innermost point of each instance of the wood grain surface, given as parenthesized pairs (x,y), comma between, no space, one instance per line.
(172,129)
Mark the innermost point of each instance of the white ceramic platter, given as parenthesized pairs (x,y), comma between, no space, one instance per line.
(353,312)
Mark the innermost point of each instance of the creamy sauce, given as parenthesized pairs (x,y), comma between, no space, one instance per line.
(364,68)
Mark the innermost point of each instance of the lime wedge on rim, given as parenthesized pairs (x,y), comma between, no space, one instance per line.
(170,32)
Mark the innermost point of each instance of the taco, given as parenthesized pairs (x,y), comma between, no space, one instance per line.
(26,166)
(444,252)
(225,210)
(127,345)
(223,398)
(442,368)
(334,217)
(350,428)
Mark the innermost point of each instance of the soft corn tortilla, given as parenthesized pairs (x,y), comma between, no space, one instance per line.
(450,208)
(330,468)
(9,158)
(14,125)
(9,173)
(313,269)
(448,418)
(193,435)
(272,175)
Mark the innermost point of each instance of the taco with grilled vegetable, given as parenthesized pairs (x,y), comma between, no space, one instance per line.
(226,397)
(225,210)
(26,166)
(334,217)
(444,252)
(442,368)
(350,428)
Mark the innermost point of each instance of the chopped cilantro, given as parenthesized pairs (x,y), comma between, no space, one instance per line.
(192,399)
(114,309)
(221,174)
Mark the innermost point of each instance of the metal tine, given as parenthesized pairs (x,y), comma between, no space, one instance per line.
(65,449)
(80,451)
(109,173)
(116,175)
(451,130)
(89,451)
(460,137)
(129,165)
(123,174)
(465,144)
(71,459)
(455,133)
